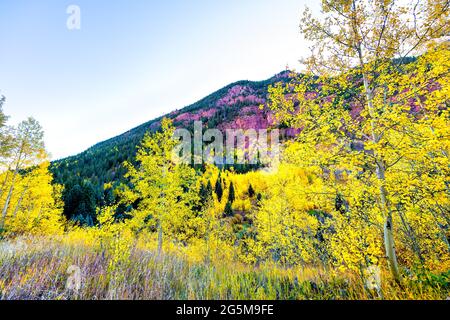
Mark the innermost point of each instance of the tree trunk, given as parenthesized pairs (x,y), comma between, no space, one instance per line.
(208,246)
(390,249)
(388,233)
(160,239)
(380,172)
(163,204)
(19,202)
(8,199)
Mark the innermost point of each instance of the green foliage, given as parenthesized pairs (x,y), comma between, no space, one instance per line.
(164,192)
(228,212)
(80,203)
(206,195)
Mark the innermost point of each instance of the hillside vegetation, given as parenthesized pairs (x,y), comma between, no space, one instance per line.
(85,175)
(357,207)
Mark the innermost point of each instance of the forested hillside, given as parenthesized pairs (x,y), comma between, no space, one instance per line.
(90,177)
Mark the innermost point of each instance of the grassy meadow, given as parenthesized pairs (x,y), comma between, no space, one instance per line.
(40,268)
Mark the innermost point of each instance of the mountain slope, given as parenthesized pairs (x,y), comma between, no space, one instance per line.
(234,106)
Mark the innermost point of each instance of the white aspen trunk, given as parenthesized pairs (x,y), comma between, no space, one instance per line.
(19,202)
(11,189)
(160,227)
(208,239)
(160,239)
(380,172)
(8,199)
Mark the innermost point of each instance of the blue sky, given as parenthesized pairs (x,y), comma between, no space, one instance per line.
(132,61)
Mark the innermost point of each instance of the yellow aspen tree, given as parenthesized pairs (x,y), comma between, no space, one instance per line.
(287,221)
(36,205)
(27,150)
(360,48)
(164,190)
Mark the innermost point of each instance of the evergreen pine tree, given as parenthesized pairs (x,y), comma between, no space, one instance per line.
(231,194)
(209,189)
(205,193)
(202,193)
(228,210)
(218,188)
(251,191)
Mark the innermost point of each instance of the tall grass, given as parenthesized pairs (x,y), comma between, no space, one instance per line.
(38,269)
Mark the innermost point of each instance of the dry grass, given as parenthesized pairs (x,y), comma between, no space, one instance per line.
(38,269)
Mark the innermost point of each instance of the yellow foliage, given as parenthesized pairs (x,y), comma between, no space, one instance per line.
(35,206)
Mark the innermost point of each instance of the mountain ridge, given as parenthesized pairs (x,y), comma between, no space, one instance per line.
(188,108)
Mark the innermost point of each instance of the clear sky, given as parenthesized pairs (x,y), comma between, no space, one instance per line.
(134,60)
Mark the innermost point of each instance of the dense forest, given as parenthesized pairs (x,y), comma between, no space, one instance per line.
(356,207)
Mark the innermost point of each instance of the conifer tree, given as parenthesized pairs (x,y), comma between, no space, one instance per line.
(218,189)
(251,191)
(228,210)
(231,193)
